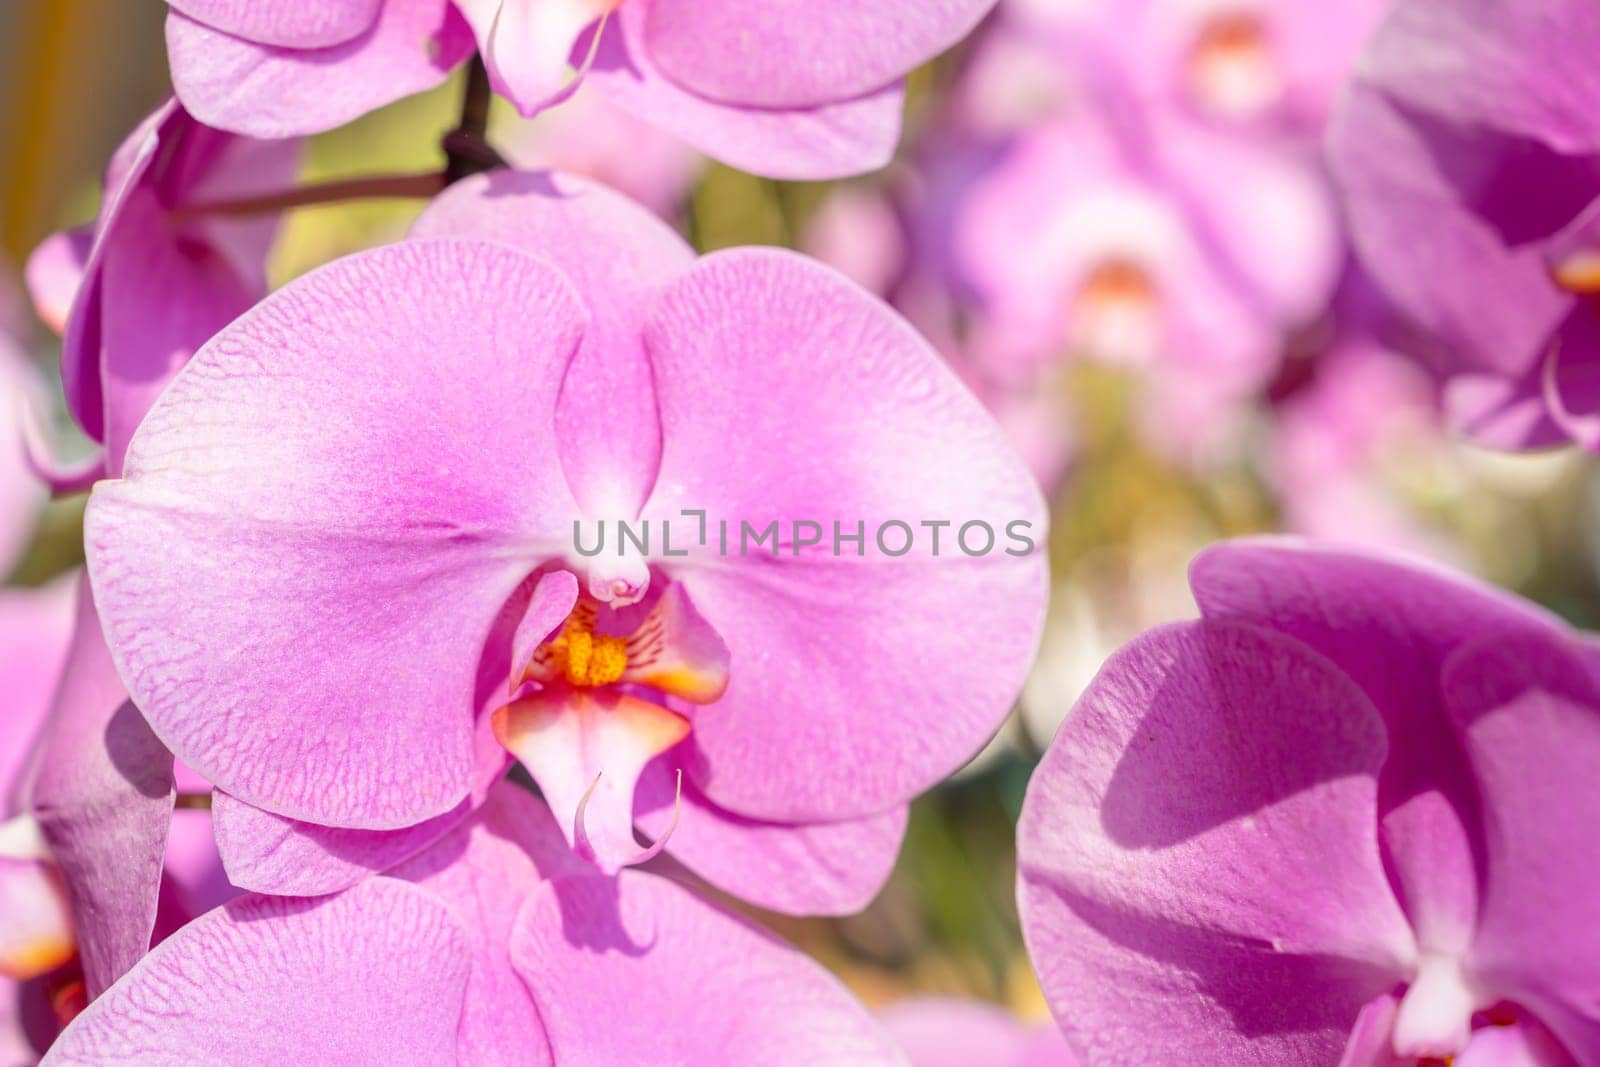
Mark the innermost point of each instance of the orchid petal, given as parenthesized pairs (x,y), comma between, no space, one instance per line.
(346,485)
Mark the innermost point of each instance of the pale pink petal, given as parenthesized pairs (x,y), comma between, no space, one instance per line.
(800,53)
(618,256)
(54,271)
(526,44)
(375,975)
(363,466)
(1199,871)
(637,969)
(484,869)
(271,92)
(856,680)
(794,868)
(292,25)
(834,140)
(586,749)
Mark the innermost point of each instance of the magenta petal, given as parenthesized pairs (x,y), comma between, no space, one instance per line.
(856,681)
(1522,68)
(638,969)
(362,466)
(317,25)
(1390,625)
(1410,191)
(376,975)
(834,140)
(1199,874)
(800,53)
(1528,713)
(794,868)
(271,92)
(618,255)
(103,798)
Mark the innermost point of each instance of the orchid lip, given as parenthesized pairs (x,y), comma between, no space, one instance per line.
(1435,1018)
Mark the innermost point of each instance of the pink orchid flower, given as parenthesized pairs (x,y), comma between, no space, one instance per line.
(391,461)
(139,290)
(1272,66)
(1468,154)
(950,1032)
(1348,815)
(790,89)
(1149,242)
(492,946)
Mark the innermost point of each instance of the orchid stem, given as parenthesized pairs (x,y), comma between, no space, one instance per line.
(367,188)
(193,802)
(467,146)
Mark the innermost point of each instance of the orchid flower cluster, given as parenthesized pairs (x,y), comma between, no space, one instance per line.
(477,629)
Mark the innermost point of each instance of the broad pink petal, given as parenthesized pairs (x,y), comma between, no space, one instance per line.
(800,53)
(1412,191)
(273,92)
(103,797)
(484,869)
(328,474)
(1522,68)
(375,975)
(1199,872)
(267,853)
(292,25)
(1527,709)
(618,255)
(835,140)
(794,868)
(950,1032)
(638,969)
(1390,625)
(856,681)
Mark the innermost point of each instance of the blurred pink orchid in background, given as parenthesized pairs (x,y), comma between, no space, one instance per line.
(792,89)
(1466,150)
(1347,813)
(947,1032)
(603,382)
(494,945)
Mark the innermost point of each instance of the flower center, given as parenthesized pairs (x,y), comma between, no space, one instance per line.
(583,657)
(1116,312)
(1578,272)
(1232,70)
